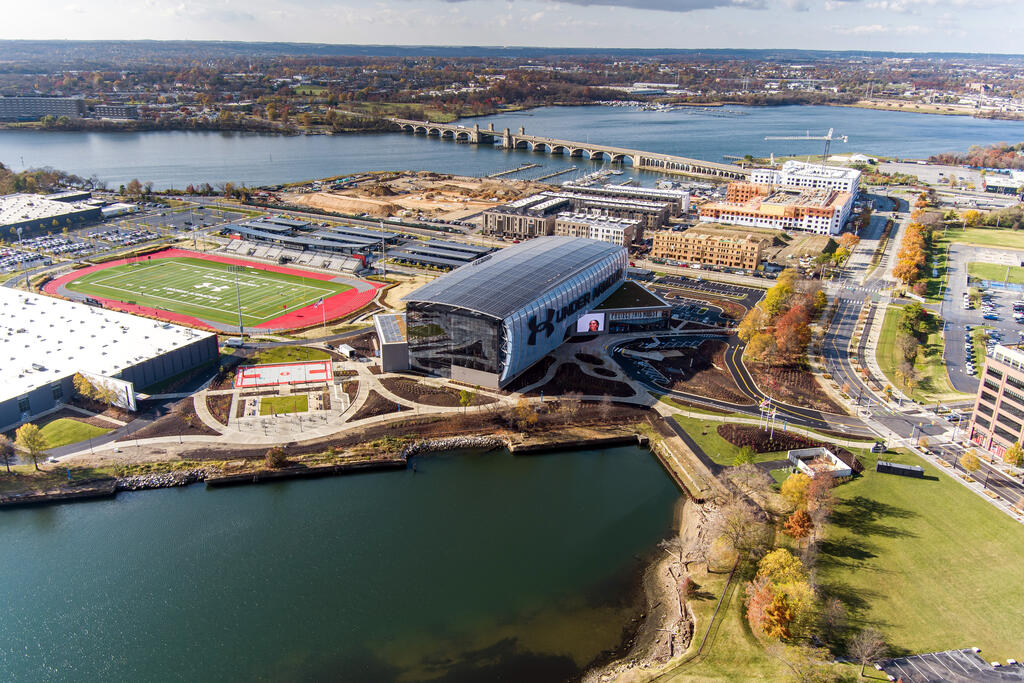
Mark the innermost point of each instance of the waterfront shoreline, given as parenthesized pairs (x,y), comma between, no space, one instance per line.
(216,477)
(665,633)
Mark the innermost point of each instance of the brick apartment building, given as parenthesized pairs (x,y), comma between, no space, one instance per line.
(709,248)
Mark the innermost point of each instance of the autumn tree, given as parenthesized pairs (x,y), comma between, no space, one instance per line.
(276,458)
(1014,455)
(794,489)
(30,438)
(969,461)
(524,415)
(798,525)
(848,240)
(83,386)
(792,334)
(778,616)
(759,595)
(781,566)
(752,324)
(466,397)
(6,452)
(866,647)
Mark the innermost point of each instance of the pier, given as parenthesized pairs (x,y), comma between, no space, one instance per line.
(517,169)
(641,160)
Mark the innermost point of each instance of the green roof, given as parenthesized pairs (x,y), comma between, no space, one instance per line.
(630,295)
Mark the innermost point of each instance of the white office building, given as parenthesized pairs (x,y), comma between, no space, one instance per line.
(810,176)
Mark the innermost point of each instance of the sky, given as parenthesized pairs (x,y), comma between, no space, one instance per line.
(898,25)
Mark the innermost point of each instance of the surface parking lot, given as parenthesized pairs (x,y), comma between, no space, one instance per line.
(996,301)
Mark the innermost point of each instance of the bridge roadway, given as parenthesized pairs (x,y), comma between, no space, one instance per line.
(652,161)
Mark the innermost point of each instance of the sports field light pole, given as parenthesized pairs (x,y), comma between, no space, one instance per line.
(383,263)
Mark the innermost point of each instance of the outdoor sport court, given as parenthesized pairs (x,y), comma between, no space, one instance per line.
(276,374)
(206,290)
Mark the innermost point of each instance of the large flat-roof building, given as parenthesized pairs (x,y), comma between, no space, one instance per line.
(36,213)
(44,341)
(998,418)
(535,216)
(810,176)
(710,247)
(35,108)
(490,320)
(761,206)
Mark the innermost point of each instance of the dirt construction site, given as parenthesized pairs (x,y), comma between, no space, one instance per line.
(422,195)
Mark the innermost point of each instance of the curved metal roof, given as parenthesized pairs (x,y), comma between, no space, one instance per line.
(503,282)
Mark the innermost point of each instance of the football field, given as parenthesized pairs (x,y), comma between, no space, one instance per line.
(206,289)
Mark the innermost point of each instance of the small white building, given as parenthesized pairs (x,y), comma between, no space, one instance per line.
(811,461)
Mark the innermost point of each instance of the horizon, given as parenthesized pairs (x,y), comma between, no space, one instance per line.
(905,26)
(552,49)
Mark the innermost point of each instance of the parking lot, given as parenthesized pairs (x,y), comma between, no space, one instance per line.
(994,311)
(14,259)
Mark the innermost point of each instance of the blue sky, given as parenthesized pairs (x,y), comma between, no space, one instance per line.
(902,25)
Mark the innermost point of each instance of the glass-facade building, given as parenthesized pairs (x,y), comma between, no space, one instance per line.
(488,321)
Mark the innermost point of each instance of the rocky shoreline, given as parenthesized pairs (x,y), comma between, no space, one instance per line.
(455,443)
(668,625)
(162,480)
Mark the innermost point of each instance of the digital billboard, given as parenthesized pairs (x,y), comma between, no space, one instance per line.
(590,323)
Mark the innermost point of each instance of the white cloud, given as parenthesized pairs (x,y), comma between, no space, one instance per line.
(879,29)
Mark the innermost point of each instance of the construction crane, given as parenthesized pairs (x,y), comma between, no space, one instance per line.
(828,138)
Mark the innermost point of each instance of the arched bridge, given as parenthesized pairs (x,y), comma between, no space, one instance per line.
(640,159)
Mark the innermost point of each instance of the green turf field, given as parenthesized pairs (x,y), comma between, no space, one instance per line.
(205,289)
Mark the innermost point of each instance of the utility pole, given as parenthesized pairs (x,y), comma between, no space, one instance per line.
(383,264)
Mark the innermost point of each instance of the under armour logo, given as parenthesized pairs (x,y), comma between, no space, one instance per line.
(547,327)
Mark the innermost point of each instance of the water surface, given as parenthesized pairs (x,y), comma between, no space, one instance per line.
(476,567)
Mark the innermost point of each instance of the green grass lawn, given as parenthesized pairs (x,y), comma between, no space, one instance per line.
(64,431)
(934,384)
(705,433)
(275,405)
(984,237)
(996,272)
(731,652)
(926,561)
(206,289)
(288,354)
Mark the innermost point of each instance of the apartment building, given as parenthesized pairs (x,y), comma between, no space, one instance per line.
(597,226)
(998,418)
(708,248)
(758,206)
(810,176)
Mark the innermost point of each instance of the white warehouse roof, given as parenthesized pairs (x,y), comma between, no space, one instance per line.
(43,339)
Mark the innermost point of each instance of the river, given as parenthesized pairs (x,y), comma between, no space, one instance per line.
(474,567)
(178,158)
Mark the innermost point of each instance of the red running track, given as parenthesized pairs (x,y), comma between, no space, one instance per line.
(335,306)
